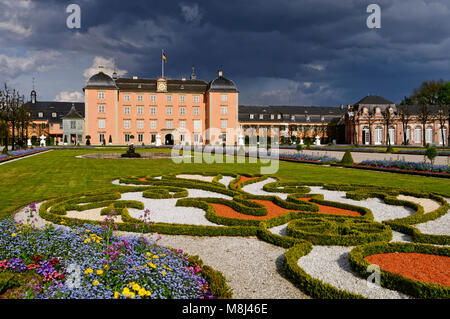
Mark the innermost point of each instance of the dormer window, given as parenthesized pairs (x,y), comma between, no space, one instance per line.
(261,116)
(292,117)
(252,116)
(40,114)
(54,115)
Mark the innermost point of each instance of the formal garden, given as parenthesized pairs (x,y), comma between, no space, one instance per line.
(78,226)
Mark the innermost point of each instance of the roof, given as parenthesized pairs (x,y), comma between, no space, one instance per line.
(222,84)
(101,81)
(149,85)
(313,114)
(73,114)
(61,109)
(374,99)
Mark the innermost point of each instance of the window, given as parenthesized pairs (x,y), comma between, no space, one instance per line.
(73,125)
(101,95)
(169,98)
(197,125)
(223,110)
(153,138)
(182,138)
(140,124)
(54,115)
(261,116)
(224,98)
(101,137)
(418,134)
(391,135)
(182,98)
(378,135)
(140,110)
(196,111)
(126,110)
(140,98)
(153,124)
(279,116)
(182,110)
(153,98)
(140,137)
(40,114)
(101,108)
(101,123)
(126,98)
(252,116)
(442,131)
(196,99)
(223,123)
(153,110)
(429,135)
(293,118)
(272,116)
(127,138)
(196,137)
(182,123)
(51,126)
(168,124)
(168,110)
(126,124)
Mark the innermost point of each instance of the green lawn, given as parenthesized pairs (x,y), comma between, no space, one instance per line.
(58,173)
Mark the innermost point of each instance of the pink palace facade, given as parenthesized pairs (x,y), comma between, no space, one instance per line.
(121,111)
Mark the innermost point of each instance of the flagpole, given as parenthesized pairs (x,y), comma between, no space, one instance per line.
(162,62)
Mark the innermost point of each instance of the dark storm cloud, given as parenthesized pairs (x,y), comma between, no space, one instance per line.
(284,51)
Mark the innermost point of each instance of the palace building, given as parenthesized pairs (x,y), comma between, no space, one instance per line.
(153,111)
(162,111)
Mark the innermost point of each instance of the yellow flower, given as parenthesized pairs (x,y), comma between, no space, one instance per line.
(163,273)
(142,292)
(156,257)
(87,230)
(116,295)
(95,283)
(136,287)
(87,241)
(152,265)
(97,241)
(88,271)
(13,235)
(99,272)
(106,267)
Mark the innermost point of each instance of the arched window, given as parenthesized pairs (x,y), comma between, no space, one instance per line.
(378,135)
(429,135)
(366,136)
(408,135)
(392,135)
(417,134)
(442,129)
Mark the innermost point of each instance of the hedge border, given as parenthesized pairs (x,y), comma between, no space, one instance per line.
(397,282)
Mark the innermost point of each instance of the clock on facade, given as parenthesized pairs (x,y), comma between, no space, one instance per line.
(162,85)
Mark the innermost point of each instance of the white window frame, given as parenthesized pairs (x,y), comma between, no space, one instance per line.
(152,98)
(182,110)
(126,110)
(126,97)
(140,110)
(182,123)
(169,98)
(126,124)
(169,124)
(196,110)
(224,98)
(153,124)
(101,108)
(101,95)
(153,110)
(140,124)
(140,98)
(196,99)
(101,123)
(224,110)
(169,110)
(224,123)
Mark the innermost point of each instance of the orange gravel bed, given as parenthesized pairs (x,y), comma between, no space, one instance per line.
(416,266)
(333,210)
(243,179)
(273,210)
(143,179)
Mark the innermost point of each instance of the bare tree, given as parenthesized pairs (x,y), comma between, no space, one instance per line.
(405,117)
(10,104)
(388,115)
(442,117)
(424,118)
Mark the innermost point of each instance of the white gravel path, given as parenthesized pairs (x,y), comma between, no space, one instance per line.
(166,211)
(257,189)
(196,177)
(331,265)
(440,226)
(380,210)
(428,204)
(225,180)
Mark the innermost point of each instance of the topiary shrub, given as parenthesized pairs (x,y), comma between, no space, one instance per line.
(390,149)
(347,158)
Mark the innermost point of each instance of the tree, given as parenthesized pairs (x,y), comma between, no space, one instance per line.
(10,104)
(431,153)
(405,117)
(442,117)
(388,115)
(430,92)
(424,118)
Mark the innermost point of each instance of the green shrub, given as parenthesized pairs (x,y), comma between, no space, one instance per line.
(347,159)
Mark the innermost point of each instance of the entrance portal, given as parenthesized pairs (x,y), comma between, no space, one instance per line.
(169,139)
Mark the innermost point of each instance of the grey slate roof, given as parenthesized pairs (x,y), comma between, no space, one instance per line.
(374,99)
(48,108)
(312,114)
(149,85)
(101,81)
(221,84)
(73,114)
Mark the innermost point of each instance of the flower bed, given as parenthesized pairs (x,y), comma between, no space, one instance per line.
(407,166)
(91,262)
(21,153)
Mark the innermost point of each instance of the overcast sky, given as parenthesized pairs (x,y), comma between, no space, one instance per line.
(278,52)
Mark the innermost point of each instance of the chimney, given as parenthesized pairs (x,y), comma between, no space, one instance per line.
(220,73)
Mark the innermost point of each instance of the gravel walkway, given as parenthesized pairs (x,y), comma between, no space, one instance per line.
(440,226)
(196,177)
(225,180)
(380,210)
(257,189)
(331,265)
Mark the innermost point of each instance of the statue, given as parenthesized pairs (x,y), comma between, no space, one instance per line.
(42,141)
(131,152)
(158,140)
